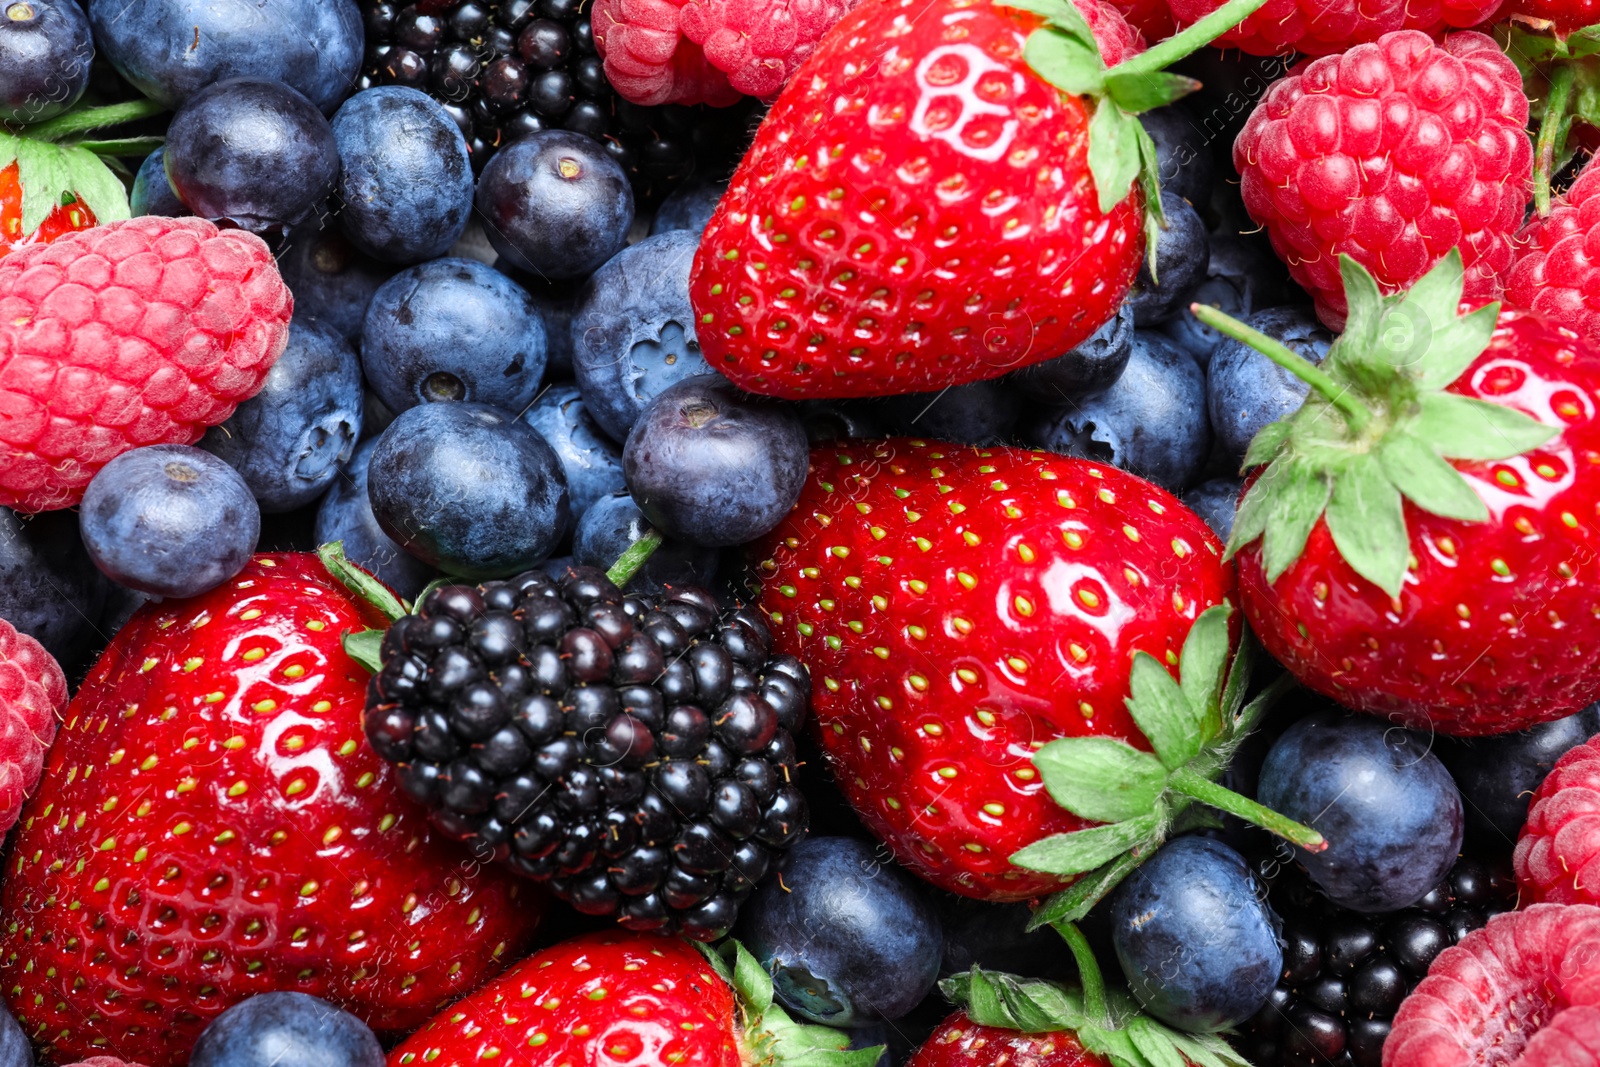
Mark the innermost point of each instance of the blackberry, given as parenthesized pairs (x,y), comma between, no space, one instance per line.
(507,68)
(636,755)
(1345,972)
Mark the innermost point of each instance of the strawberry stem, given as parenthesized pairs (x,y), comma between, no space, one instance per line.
(1553,129)
(1189,39)
(1093,985)
(633,560)
(1355,412)
(92,118)
(359,582)
(1190,784)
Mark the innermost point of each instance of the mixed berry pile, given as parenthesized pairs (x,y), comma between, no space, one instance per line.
(800,533)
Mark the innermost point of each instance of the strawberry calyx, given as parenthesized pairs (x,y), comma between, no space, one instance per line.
(1378,428)
(1194,725)
(363,646)
(1561,77)
(771,1037)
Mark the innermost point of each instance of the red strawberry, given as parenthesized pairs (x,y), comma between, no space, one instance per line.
(629,1000)
(1523,991)
(960,608)
(960,1042)
(33,692)
(1558,853)
(1420,545)
(48,189)
(1323,27)
(63,218)
(211,825)
(1393,153)
(134,333)
(1557,270)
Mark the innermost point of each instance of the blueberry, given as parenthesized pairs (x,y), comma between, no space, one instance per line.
(1151,421)
(279,1029)
(1183,152)
(1092,367)
(1497,775)
(556,203)
(171,49)
(1217,502)
(613,523)
(840,420)
(170,520)
(453,329)
(152,194)
(290,438)
(1241,278)
(405,187)
(592,461)
(1197,944)
(1245,390)
(1386,804)
(331,281)
(468,489)
(49,588)
(714,466)
(255,153)
(14,1048)
(1182,251)
(980,413)
(345,514)
(633,334)
(689,206)
(45,52)
(557,302)
(848,937)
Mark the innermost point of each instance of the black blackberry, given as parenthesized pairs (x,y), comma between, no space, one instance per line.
(1345,972)
(638,756)
(507,68)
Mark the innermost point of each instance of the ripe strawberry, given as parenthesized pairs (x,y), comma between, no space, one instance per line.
(33,692)
(134,333)
(1524,990)
(66,216)
(624,999)
(958,608)
(1393,153)
(960,1042)
(210,825)
(1420,544)
(48,189)
(1558,853)
(1555,272)
(1324,27)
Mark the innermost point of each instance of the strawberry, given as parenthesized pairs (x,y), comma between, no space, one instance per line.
(1420,543)
(945,191)
(210,825)
(68,215)
(975,622)
(626,999)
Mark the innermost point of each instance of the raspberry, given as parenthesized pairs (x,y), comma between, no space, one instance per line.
(105,1061)
(33,693)
(1558,854)
(1557,270)
(1152,18)
(1324,27)
(1523,990)
(649,61)
(1393,153)
(135,333)
(759,44)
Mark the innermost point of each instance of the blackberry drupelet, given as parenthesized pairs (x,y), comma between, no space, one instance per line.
(638,756)
(1345,972)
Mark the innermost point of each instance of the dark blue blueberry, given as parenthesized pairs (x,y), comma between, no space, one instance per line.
(1183,249)
(405,189)
(556,203)
(1498,775)
(714,466)
(49,588)
(171,49)
(1386,804)
(289,440)
(1183,152)
(252,152)
(613,523)
(1241,278)
(1151,421)
(280,1029)
(468,489)
(980,413)
(1245,390)
(170,520)
(331,280)
(848,937)
(453,329)
(1216,501)
(45,52)
(1198,945)
(633,334)
(689,207)
(345,514)
(14,1048)
(152,194)
(592,460)
(557,302)
(1092,367)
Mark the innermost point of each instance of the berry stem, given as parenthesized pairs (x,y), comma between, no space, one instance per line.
(1553,129)
(1094,986)
(1190,39)
(1355,412)
(92,118)
(359,582)
(630,562)
(1190,784)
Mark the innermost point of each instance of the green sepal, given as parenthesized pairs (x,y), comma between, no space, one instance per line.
(437,583)
(1135,92)
(359,582)
(365,647)
(1084,850)
(1102,779)
(1202,667)
(1368,523)
(1464,427)
(1065,62)
(48,173)
(1077,900)
(1114,157)
(1561,79)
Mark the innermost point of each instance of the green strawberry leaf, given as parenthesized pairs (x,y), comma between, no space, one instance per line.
(1153,1044)
(1296,500)
(1062,15)
(1065,62)
(365,647)
(47,172)
(1136,92)
(1266,444)
(1427,480)
(1077,900)
(751,981)
(1028,1005)
(1163,712)
(776,1038)
(1201,668)
(1084,850)
(1367,523)
(363,585)
(1462,427)
(1114,156)
(1100,778)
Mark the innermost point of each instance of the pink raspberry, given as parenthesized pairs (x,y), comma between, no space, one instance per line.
(1323,27)
(1557,270)
(105,1061)
(1524,991)
(1393,153)
(33,694)
(135,333)
(759,44)
(1558,853)
(649,61)
(1152,18)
